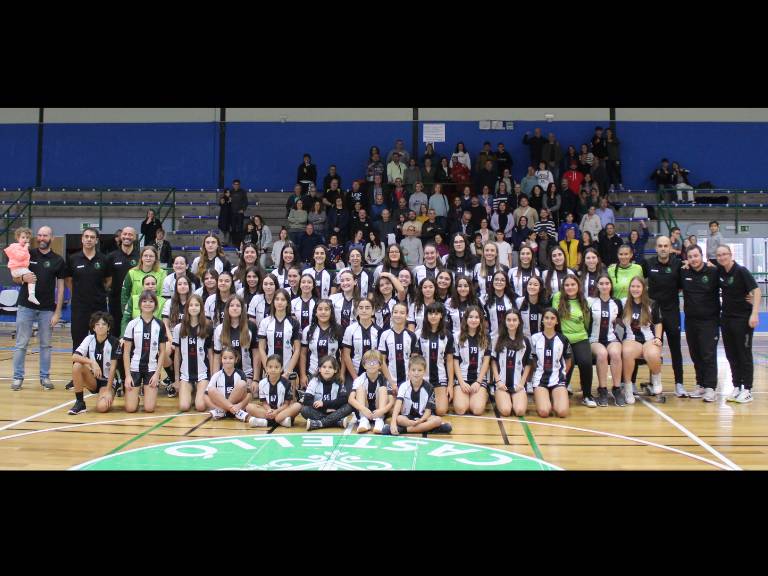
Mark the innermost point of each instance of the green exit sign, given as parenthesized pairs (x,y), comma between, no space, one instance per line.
(743,227)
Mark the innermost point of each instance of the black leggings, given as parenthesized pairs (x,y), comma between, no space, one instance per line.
(670,319)
(326,419)
(737,339)
(614,171)
(702,337)
(582,357)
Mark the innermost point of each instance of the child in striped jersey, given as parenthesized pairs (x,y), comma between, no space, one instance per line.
(436,344)
(415,404)
(319,339)
(551,353)
(371,396)
(94,364)
(275,403)
(227,392)
(511,366)
(397,344)
(326,398)
(193,341)
(472,360)
(606,312)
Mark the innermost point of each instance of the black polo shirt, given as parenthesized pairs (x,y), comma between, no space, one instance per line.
(48,268)
(664,282)
(701,292)
(118,264)
(736,284)
(88,277)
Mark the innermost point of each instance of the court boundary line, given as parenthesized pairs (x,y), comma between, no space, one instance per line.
(62,405)
(610,434)
(142,434)
(690,434)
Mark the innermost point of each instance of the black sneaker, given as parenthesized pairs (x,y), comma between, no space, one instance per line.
(78,408)
(602,397)
(387,430)
(618,396)
(69,385)
(444,428)
(171,392)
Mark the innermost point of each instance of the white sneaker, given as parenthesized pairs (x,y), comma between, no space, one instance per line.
(378,426)
(709,395)
(218,414)
(242,415)
(254,422)
(744,397)
(657,389)
(589,402)
(629,397)
(364,425)
(698,392)
(344,422)
(680,391)
(286,422)
(735,394)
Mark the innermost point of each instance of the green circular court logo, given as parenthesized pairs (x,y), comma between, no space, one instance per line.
(316,452)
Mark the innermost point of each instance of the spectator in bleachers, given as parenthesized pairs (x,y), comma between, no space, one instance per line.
(582,206)
(638,241)
(478,211)
(357,194)
(413,251)
(575,178)
(485,231)
(362,223)
(277,247)
(423,214)
(502,195)
(587,241)
(525,210)
(148,227)
(332,193)
(586,185)
(529,181)
(317,217)
(402,208)
(375,188)
(600,174)
(456,211)
(687,243)
(570,246)
(374,249)
(567,224)
(536,199)
(486,176)
(400,150)
(552,156)
(676,241)
(418,198)
(585,159)
(486,200)
(543,176)
(395,169)
(486,154)
(597,144)
(461,156)
(681,183)
(335,252)
(519,234)
(225,215)
(332,174)
(714,241)
(464,224)
(356,243)
(113,243)
(377,207)
(265,240)
(571,156)
(591,222)
(163,248)
(385,227)
(440,245)
(306,173)
(375,166)
(535,143)
(412,176)
(503,220)
(662,176)
(460,174)
(397,192)
(338,220)
(429,153)
(565,198)
(477,246)
(466,197)
(514,198)
(503,160)
(439,203)
(290,204)
(308,241)
(613,160)
(594,196)
(297,221)
(428,174)
(545,223)
(605,213)
(430,227)
(507,181)
(552,202)
(443,171)
(609,243)
(504,249)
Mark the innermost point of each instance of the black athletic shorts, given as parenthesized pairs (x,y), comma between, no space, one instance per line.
(141,378)
(100,383)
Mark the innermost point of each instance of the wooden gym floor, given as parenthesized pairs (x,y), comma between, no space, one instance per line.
(36,433)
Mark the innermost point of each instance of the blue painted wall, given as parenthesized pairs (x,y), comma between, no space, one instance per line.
(266,154)
(18,155)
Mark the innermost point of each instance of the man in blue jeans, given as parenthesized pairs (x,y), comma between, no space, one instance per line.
(48,269)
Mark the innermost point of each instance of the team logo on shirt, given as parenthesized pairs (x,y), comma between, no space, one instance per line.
(46,264)
(97,266)
(730,281)
(705,279)
(132,262)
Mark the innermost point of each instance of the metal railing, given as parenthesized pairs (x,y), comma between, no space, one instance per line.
(21,207)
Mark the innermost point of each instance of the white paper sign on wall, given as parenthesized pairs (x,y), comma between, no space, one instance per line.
(434,132)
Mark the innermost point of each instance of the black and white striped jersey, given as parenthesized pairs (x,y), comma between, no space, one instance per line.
(282,279)
(193,352)
(416,401)
(416,316)
(280,336)
(215,309)
(554,279)
(397,348)
(359,340)
(637,332)
(465,267)
(225,383)
(532,315)
(422,271)
(471,356)
(319,343)
(105,353)
(550,355)
(247,297)
(343,309)
(435,349)
(589,284)
(259,309)
(495,310)
(454,316)
(146,338)
(167,313)
(384,314)
(604,316)
(371,387)
(323,280)
(324,391)
(364,280)
(485,282)
(275,395)
(519,276)
(303,311)
(246,362)
(218,264)
(511,364)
